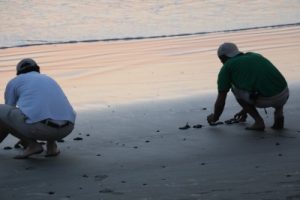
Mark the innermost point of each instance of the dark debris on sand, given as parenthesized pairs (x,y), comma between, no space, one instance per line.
(51,193)
(198,126)
(7,148)
(216,123)
(85,176)
(231,121)
(187,126)
(78,138)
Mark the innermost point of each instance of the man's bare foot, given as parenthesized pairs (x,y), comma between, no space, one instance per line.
(278,123)
(52,149)
(256,126)
(52,154)
(32,149)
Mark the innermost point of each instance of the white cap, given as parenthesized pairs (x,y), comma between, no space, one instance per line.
(228,49)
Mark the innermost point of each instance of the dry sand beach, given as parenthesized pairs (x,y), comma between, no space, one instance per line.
(131,97)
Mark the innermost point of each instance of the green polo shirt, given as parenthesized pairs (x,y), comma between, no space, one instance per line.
(251,72)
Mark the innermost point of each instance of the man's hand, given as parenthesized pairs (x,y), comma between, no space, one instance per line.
(211,119)
(241,116)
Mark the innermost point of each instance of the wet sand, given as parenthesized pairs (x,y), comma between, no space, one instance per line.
(132,97)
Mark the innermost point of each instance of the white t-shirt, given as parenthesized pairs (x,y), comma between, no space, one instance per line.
(39,97)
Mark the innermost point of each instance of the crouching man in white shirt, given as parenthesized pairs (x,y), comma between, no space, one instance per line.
(35,108)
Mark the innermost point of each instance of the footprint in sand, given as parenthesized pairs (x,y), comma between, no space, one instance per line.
(110,191)
(29,168)
(100,177)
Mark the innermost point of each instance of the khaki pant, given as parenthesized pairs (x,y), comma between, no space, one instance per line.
(262,102)
(14,120)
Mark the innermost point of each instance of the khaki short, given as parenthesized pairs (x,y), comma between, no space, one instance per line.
(262,102)
(14,120)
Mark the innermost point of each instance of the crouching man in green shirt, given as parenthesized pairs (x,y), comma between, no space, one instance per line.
(254,81)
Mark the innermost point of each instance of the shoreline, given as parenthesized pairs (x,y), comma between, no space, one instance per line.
(151,37)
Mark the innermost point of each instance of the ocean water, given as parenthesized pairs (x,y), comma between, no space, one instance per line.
(29,22)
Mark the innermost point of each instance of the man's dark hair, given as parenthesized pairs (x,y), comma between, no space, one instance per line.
(27,65)
(29,69)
